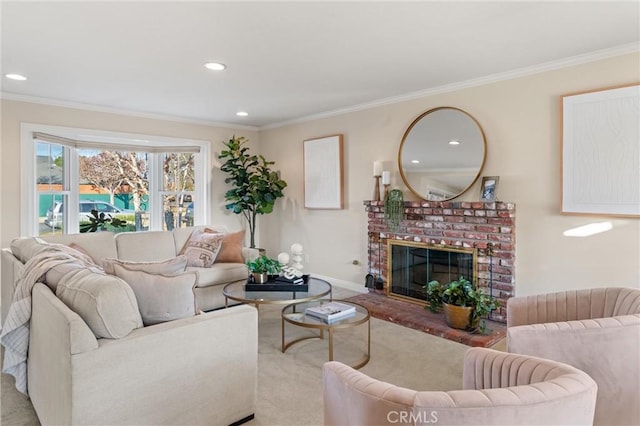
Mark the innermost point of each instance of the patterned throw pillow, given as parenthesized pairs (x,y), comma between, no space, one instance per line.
(202,248)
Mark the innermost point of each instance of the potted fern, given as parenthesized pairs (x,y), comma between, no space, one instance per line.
(463,305)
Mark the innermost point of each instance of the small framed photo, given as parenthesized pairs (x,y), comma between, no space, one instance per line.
(488,188)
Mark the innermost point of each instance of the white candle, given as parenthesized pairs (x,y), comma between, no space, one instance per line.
(386,177)
(377,168)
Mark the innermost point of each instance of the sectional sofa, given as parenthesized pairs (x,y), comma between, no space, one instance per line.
(93,360)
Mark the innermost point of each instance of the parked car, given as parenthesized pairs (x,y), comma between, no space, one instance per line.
(54,214)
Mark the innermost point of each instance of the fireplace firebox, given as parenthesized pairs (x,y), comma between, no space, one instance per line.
(412,265)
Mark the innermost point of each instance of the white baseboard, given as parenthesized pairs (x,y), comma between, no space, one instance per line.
(360,288)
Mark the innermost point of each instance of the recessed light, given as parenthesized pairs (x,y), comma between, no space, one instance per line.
(17,77)
(454,142)
(215,66)
(415,161)
(242,113)
(588,230)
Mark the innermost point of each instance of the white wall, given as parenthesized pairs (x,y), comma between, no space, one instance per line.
(521,121)
(14,113)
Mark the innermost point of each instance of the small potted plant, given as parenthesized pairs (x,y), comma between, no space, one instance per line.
(463,305)
(263,266)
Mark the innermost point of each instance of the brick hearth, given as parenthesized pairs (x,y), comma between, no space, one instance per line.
(481,225)
(414,316)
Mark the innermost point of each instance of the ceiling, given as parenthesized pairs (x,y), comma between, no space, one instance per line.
(287,61)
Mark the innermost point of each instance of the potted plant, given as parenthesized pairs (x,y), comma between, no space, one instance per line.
(99,221)
(255,186)
(263,266)
(463,305)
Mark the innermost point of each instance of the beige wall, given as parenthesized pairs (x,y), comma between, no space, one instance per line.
(521,120)
(14,113)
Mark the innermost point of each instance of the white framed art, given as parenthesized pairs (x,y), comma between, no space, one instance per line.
(323,173)
(601,152)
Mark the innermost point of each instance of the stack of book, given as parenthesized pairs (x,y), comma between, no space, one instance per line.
(331,312)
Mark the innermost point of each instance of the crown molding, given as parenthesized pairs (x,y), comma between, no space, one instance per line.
(109,110)
(493,78)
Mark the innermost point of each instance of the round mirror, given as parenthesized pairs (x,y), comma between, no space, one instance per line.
(441,154)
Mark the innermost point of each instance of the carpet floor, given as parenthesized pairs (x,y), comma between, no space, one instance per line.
(290,383)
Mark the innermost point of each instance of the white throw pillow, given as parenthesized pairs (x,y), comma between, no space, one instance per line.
(106,303)
(168,267)
(161,297)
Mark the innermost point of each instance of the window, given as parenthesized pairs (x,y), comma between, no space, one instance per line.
(153,183)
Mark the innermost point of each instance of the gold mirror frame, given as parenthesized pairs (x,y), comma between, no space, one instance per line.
(438,126)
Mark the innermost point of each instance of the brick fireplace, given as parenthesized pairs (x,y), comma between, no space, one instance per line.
(489,227)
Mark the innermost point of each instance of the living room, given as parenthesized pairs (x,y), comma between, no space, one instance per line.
(519,110)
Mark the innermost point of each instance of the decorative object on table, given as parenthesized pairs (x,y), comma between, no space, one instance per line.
(488,188)
(394,209)
(386,181)
(297,256)
(463,304)
(600,133)
(323,173)
(332,311)
(255,186)
(261,267)
(377,172)
(98,221)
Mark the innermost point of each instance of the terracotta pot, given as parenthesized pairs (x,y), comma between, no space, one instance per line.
(457,316)
(259,278)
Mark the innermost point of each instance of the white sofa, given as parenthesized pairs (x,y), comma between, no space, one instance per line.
(200,369)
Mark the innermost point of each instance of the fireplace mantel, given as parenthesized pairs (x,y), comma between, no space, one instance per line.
(486,226)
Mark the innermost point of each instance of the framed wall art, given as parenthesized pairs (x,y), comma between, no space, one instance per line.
(323,173)
(488,188)
(601,152)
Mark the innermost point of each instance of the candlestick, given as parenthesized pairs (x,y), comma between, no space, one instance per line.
(376,189)
(386,177)
(386,191)
(377,168)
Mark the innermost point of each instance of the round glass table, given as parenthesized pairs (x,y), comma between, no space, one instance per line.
(317,288)
(294,314)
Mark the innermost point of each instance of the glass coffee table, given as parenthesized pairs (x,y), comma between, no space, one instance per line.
(294,314)
(235,291)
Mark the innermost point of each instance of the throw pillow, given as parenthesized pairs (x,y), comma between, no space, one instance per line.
(168,267)
(231,250)
(202,248)
(161,297)
(106,303)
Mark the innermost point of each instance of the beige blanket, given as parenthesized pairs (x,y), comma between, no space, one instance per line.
(15,331)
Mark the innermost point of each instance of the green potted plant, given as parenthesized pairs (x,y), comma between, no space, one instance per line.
(99,222)
(463,305)
(255,187)
(263,266)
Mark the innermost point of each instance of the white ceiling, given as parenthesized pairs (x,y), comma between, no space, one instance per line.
(287,60)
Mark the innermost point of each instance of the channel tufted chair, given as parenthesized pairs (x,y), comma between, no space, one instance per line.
(499,389)
(594,330)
